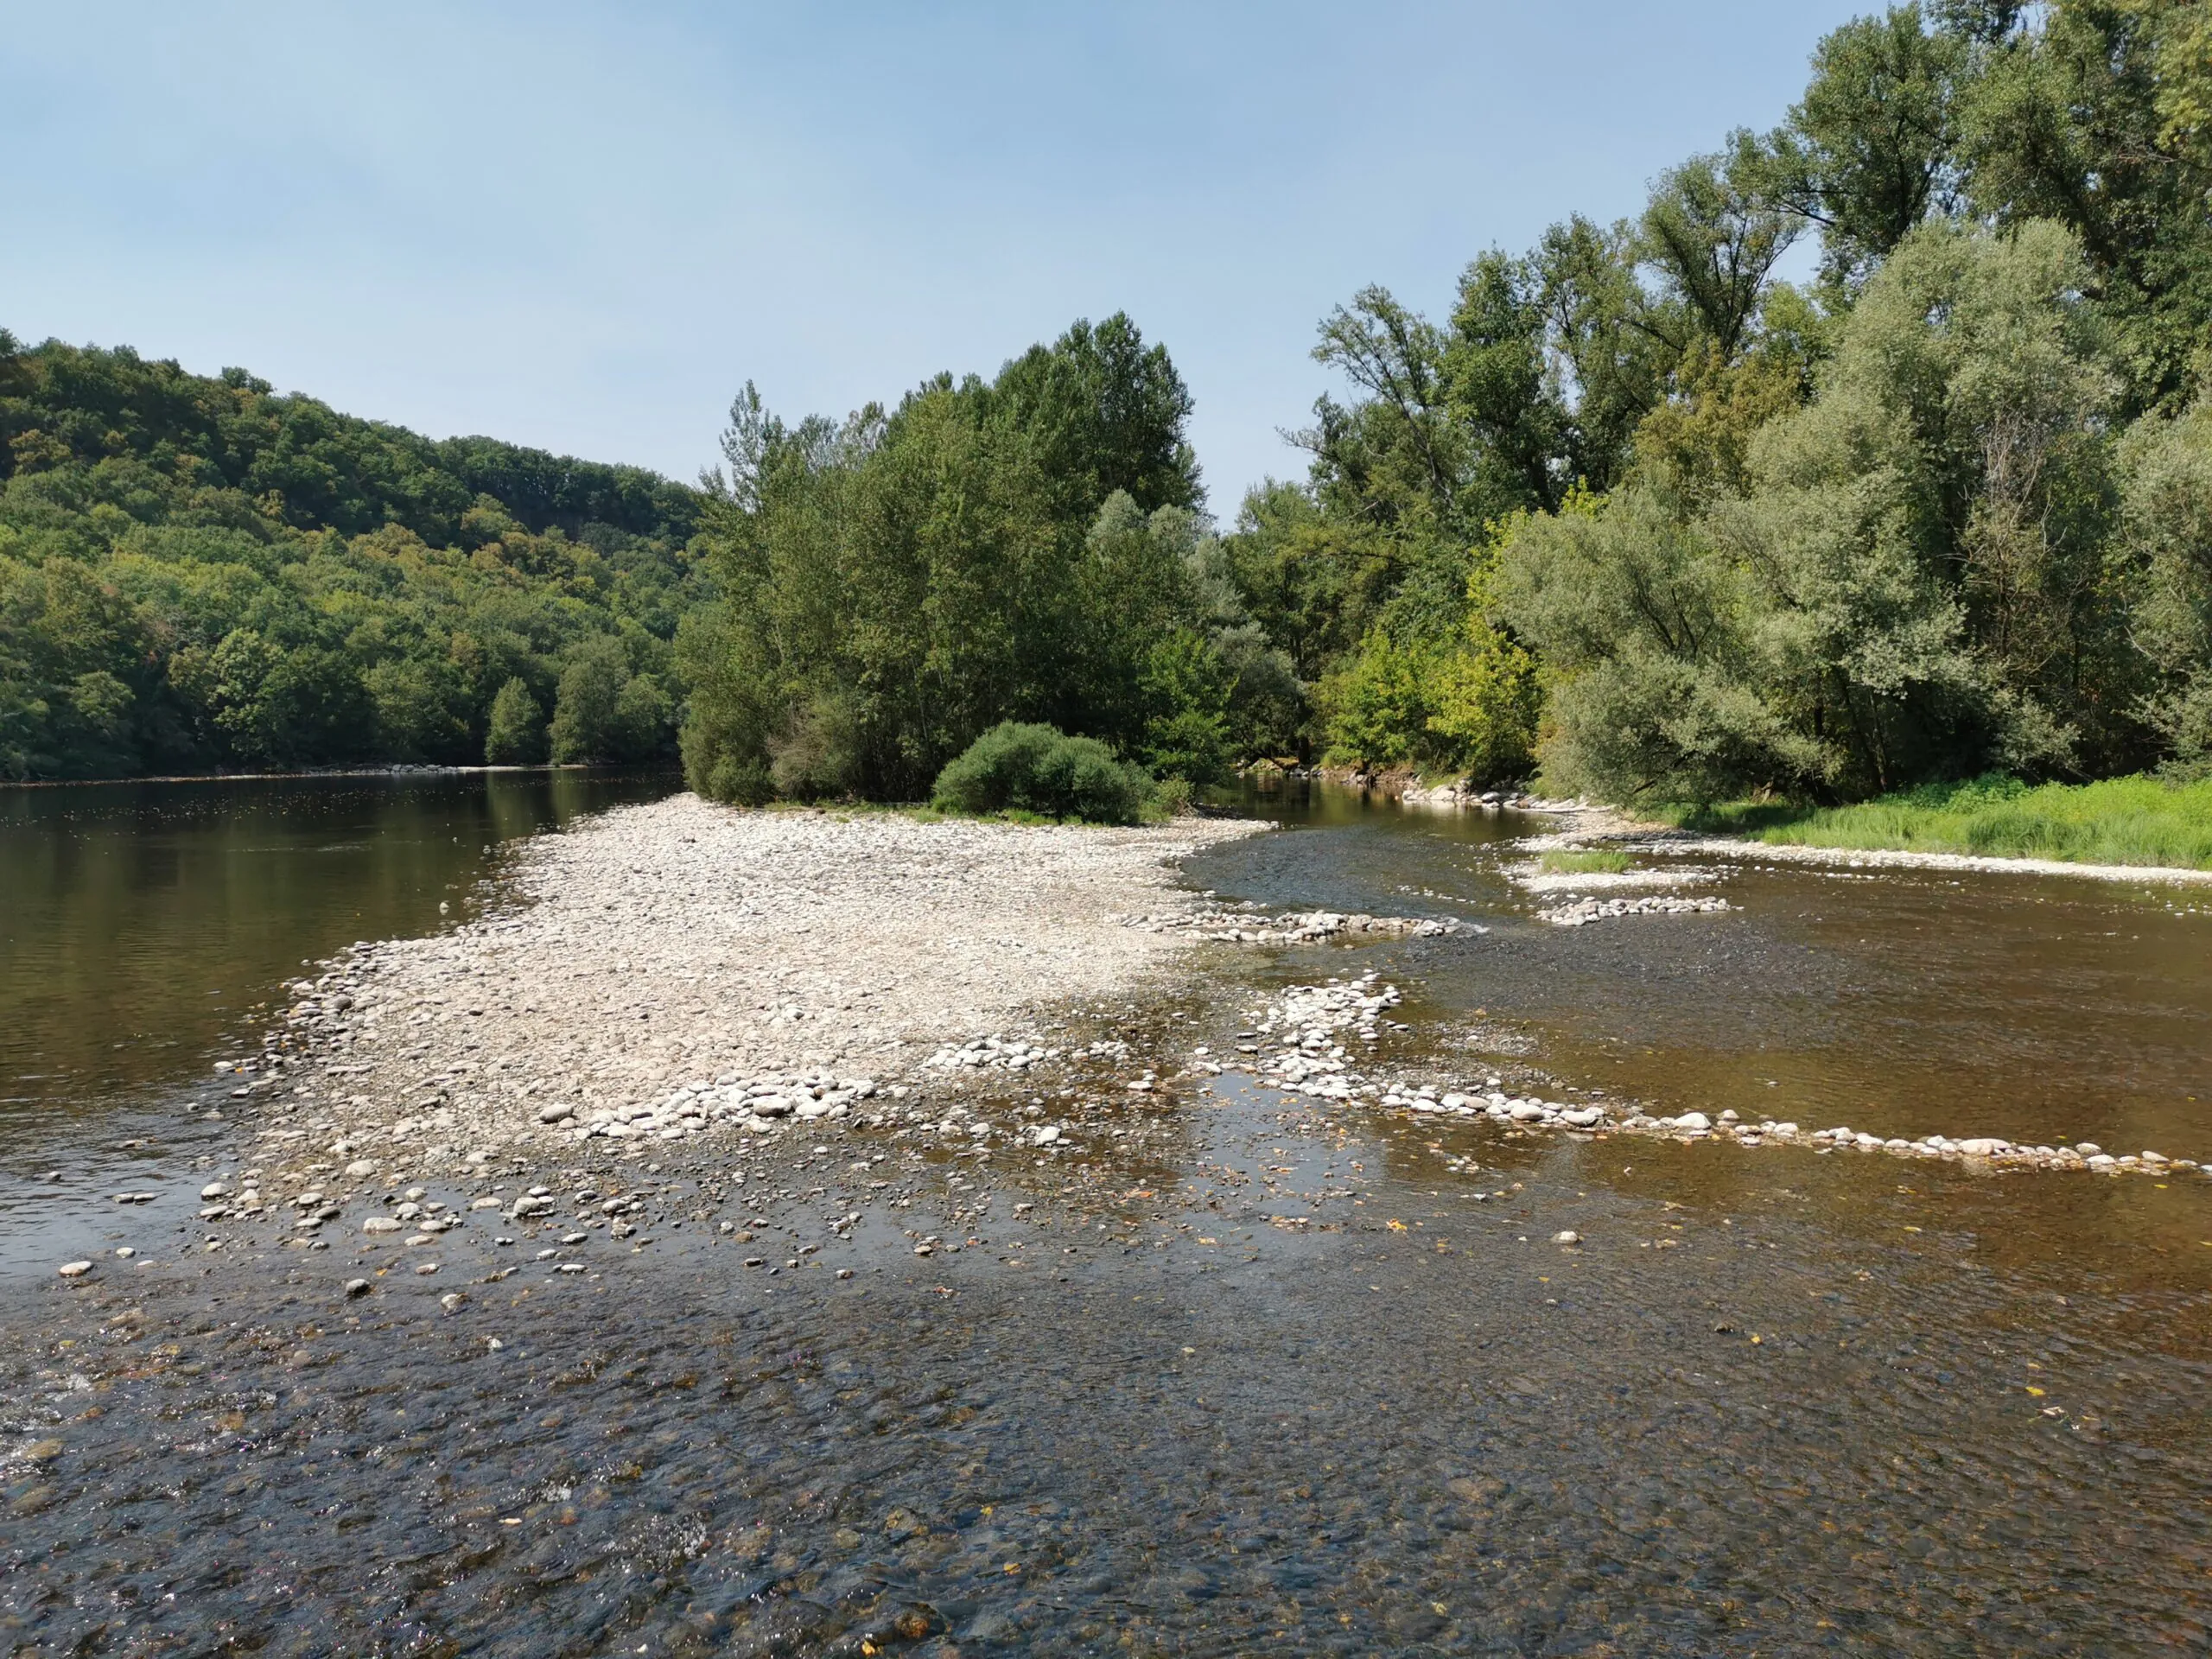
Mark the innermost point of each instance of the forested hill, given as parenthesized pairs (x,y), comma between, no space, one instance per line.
(199,572)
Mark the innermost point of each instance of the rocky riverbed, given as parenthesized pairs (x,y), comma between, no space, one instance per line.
(1129,1268)
(679,992)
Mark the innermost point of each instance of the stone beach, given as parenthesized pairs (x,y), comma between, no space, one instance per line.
(668,971)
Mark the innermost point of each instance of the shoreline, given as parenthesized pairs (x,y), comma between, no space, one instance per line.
(1903,859)
(402,769)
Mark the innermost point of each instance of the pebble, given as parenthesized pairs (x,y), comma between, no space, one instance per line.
(381,1224)
(1567,1235)
(879,932)
(358,1287)
(1583,911)
(1257,926)
(75,1269)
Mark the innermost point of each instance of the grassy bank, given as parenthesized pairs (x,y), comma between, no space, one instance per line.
(2138,820)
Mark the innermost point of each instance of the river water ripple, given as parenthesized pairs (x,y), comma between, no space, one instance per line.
(1305,1382)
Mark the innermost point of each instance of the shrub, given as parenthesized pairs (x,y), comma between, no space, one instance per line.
(1025,768)
(1600,861)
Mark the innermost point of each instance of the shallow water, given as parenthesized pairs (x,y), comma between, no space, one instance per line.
(144,925)
(1289,1382)
(2039,1009)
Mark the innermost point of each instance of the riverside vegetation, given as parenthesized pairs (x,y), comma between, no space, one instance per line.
(199,574)
(1638,516)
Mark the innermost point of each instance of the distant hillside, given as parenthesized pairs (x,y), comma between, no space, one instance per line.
(198,573)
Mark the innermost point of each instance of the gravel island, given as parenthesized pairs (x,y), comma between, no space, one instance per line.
(667,970)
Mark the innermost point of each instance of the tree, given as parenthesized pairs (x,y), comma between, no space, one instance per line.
(1871,150)
(2166,543)
(587,710)
(1712,232)
(895,585)
(1912,587)
(2083,115)
(516,734)
(1500,383)
(1103,412)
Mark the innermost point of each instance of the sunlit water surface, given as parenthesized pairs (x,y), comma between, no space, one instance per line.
(1299,1386)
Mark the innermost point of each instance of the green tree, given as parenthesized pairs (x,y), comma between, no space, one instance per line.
(2165,547)
(587,709)
(1914,585)
(2079,112)
(893,586)
(517,734)
(1871,150)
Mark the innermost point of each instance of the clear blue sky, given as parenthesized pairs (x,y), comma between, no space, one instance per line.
(584,227)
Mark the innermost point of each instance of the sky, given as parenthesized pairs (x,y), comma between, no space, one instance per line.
(583,227)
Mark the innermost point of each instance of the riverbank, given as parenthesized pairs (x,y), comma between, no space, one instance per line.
(2135,826)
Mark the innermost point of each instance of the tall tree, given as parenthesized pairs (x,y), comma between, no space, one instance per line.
(1871,150)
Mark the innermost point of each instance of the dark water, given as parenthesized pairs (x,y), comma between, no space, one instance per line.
(144,925)
(1292,1384)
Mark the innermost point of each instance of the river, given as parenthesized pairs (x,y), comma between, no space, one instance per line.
(1773,1401)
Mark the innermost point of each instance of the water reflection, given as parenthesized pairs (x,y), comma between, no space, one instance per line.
(139,923)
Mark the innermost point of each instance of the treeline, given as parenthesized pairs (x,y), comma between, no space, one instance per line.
(1027,547)
(1640,514)
(196,572)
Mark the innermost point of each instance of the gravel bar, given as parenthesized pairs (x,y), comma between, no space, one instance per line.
(664,970)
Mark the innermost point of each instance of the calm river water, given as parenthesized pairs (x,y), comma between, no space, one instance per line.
(1775,1401)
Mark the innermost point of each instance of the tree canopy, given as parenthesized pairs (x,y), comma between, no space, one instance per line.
(196,572)
(1634,513)
(1922,517)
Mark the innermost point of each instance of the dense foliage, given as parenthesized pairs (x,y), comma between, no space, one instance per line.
(1026,549)
(1637,513)
(198,573)
(1688,531)
(1029,768)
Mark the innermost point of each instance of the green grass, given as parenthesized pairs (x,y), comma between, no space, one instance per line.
(1601,863)
(2137,820)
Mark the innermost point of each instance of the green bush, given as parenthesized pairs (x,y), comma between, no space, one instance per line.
(1024,768)
(1599,861)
